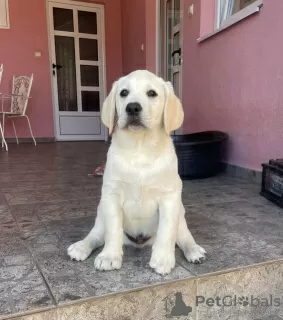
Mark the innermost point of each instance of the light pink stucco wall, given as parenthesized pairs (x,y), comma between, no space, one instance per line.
(150,17)
(234,83)
(28,33)
(133,35)
(139,28)
(207,17)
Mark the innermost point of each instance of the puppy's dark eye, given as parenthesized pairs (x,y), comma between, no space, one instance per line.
(151,93)
(124,93)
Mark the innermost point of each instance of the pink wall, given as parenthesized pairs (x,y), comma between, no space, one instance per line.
(133,35)
(207,17)
(28,34)
(139,28)
(150,16)
(234,82)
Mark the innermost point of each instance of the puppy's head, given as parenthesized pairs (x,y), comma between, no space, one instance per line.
(142,101)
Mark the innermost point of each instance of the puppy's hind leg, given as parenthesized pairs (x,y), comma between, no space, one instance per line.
(82,249)
(185,241)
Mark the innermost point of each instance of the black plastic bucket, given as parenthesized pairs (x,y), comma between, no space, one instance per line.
(199,154)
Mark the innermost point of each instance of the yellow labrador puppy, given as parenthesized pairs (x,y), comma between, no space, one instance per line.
(141,194)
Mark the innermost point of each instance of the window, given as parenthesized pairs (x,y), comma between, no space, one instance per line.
(4,14)
(228,8)
(227,13)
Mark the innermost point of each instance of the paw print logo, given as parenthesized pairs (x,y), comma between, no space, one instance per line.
(243,301)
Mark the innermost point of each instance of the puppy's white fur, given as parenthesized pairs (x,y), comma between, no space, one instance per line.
(141,192)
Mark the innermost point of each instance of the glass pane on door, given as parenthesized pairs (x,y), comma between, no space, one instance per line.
(63,19)
(176,77)
(88,49)
(66,73)
(176,46)
(90,101)
(87,22)
(89,76)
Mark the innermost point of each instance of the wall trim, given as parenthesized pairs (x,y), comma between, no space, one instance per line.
(29,140)
(243,173)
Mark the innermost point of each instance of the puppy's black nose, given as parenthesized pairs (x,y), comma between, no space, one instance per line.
(133,108)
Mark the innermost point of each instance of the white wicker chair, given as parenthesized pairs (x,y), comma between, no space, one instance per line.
(19,101)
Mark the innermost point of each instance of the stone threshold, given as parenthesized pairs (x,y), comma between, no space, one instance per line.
(248,289)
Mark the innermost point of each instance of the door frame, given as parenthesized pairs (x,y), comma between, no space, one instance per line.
(161,44)
(56,119)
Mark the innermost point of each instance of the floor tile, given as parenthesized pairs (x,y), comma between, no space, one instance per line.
(71,280)
(228,247)
(214,182)
(3,202)
(18,197)
(240,211)
(8,226)
(36,212)
(209,195)
(6,216)
(206,193)
(244,216)
(21,285)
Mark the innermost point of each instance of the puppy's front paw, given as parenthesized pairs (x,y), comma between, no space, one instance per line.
(106,261)
(195,254)
(162,261)
(80,250)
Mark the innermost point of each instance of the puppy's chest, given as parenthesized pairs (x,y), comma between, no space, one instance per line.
(140,170)
(137,192)
(139,202)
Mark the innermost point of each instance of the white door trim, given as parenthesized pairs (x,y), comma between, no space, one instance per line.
(158,37)
(79,3)
(159,66)
(102,63)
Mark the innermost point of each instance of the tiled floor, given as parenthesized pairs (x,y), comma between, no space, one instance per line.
(47,201)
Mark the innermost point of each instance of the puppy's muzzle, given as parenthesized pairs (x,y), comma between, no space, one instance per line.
(133,110)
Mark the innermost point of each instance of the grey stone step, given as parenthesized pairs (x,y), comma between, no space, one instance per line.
(249,293)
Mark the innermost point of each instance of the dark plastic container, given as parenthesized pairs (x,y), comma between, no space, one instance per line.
(199,154)
(272,181)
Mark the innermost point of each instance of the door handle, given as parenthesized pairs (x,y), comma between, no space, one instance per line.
(177,51)
(57,66)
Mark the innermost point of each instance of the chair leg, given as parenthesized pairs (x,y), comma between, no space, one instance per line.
(3,139)
(15,132)
(30,129)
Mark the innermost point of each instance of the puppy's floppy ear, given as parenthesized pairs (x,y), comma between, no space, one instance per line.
(109,109)
(173,110)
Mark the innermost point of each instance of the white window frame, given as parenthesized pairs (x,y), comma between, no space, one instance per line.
(5,22)
(235,18)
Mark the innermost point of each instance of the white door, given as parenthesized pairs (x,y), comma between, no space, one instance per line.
(78,69)
(173,43)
